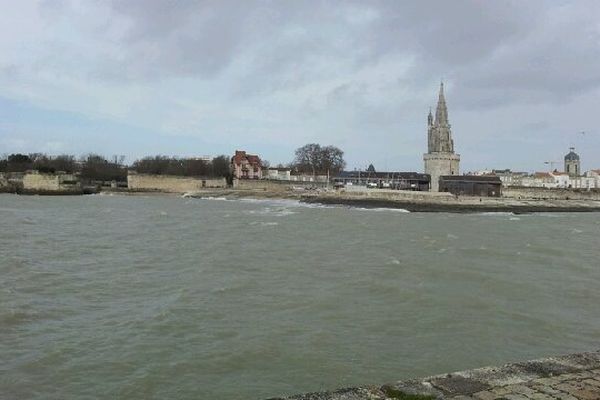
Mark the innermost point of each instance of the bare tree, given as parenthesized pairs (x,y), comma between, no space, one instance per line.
(312,158)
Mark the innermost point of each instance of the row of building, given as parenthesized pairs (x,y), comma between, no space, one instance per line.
(441,172)
(441,169)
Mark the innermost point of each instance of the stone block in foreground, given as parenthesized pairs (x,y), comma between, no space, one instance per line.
(568,377)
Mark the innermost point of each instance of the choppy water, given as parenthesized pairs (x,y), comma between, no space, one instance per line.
(165,297)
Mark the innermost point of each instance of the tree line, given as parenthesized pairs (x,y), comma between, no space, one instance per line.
(311,158)
(94,167)
(91,167)
(164,165)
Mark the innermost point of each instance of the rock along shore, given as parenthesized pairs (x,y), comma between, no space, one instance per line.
(413,201)
(463,205)
(568,377)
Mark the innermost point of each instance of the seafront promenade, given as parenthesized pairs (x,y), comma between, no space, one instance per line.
(567,377)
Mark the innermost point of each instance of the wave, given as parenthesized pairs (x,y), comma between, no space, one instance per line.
(381,209)
(262,223)
(496,213)
(211,198)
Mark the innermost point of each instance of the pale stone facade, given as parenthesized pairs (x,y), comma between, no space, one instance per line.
(440,158)
(171,184)
(35,181)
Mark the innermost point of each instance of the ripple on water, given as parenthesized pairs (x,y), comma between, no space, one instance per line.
(182,298)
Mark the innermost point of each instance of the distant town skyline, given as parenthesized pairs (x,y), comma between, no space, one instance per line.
(140,78)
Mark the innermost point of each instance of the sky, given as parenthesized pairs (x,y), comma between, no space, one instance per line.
(193,78)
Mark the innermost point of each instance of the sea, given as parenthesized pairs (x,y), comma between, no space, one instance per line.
(166,297)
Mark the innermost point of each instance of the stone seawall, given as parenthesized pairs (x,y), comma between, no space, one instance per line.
(172,184)
(512,192)
(274,185)
(33,182)
(445,202)
(567,377)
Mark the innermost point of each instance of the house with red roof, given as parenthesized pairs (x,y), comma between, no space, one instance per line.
(246,166)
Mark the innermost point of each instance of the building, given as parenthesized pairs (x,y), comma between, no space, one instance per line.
(277,174)
(440,159)
(572,163)
(560,180)
(510,178)
(472,185)
(246,166)
(388,180)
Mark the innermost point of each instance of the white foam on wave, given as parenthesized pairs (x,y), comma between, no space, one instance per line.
(382,209)
(214,198)
(262,223)
(271,212)
(495,213)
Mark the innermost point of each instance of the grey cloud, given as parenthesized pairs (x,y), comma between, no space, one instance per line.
(317,55)
(536,47)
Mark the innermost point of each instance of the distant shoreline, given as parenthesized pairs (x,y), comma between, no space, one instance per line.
(463,204)
(430,203)
(416,206)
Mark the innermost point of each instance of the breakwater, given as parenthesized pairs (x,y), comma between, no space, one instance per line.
(445,202)
(568,377)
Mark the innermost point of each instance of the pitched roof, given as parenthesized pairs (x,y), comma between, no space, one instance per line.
(241,155)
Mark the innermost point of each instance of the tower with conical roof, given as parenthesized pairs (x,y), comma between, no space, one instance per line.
(440,158)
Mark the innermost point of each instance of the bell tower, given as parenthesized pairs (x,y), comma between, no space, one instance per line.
(440,158)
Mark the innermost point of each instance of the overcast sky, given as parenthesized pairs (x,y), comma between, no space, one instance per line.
(138,77)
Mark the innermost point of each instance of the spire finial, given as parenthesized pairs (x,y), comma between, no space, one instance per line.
(441,113)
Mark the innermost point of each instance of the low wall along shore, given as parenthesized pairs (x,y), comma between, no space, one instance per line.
(512,192)
(172,184)
(446,202)
(274,185)
(568,377)
(33,182)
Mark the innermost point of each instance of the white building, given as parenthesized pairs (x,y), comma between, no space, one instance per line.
(278,174)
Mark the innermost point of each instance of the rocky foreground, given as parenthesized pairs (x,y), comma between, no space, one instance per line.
(569,377)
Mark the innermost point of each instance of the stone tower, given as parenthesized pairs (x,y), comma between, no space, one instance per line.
(572,163)
(440,158)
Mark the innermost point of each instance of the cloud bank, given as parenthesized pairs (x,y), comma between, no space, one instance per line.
(205,77)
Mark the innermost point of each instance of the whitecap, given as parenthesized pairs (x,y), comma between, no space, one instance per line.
(495,213)
(214,198)
(380,209)
(262,223)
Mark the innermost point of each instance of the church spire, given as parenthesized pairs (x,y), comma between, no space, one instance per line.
(441,113)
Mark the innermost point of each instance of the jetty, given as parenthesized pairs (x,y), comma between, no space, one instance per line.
(567,377)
